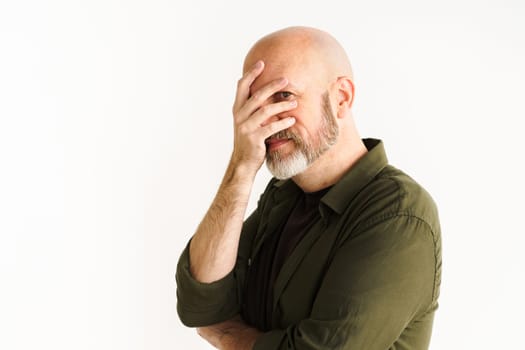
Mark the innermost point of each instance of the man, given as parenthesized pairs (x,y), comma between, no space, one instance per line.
(343,250)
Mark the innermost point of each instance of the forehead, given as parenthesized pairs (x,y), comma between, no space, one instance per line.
(300,72)
(274,71)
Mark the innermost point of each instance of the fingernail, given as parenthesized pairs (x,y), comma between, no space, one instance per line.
(258,65)
(291,120)
(293,103)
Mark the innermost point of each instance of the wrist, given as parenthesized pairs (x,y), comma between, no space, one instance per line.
(241,172)
(239,339)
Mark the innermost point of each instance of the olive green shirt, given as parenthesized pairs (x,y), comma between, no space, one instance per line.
(365,276)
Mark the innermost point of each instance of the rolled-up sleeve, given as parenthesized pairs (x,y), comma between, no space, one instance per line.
(202,304)
(380,289)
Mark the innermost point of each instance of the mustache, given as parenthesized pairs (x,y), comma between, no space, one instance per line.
(286,134)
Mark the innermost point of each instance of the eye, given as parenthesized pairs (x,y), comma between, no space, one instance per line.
(282,95)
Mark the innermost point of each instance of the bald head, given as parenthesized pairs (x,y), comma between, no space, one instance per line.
(310,47)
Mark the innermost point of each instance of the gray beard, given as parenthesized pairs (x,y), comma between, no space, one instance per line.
(294,164)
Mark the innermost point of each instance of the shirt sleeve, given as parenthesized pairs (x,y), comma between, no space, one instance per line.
(378,281)
(202,304)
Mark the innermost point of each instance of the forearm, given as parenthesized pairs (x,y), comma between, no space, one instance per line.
(213,249)
(230,335)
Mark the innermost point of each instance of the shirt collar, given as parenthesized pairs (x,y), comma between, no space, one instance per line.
(360,174)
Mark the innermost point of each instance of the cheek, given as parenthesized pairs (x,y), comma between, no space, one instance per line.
(307,121)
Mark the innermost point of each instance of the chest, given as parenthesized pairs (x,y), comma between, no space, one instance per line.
(297,284)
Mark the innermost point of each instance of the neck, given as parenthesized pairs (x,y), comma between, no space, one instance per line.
(332,165)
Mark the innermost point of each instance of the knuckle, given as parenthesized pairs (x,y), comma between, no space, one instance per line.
(257,96)
(267,109)
(243,129)
(275,85)
(238,110)
(274,127)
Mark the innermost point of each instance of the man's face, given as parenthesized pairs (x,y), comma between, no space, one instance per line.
(284,163)
(291,151)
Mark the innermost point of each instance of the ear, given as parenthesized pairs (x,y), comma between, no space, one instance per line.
(345,95)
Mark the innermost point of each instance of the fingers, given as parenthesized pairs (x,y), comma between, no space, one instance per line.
(260,96)
(243,85)
(244,106)
(274,127)
(257,117)
(262,115)
(266,115)
(262,132)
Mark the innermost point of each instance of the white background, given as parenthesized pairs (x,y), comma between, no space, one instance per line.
(115,130)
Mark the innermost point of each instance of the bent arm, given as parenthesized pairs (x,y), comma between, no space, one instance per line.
(207,281)
(213,249)
(201,304)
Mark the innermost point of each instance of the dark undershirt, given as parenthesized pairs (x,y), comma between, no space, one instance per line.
(257,306)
